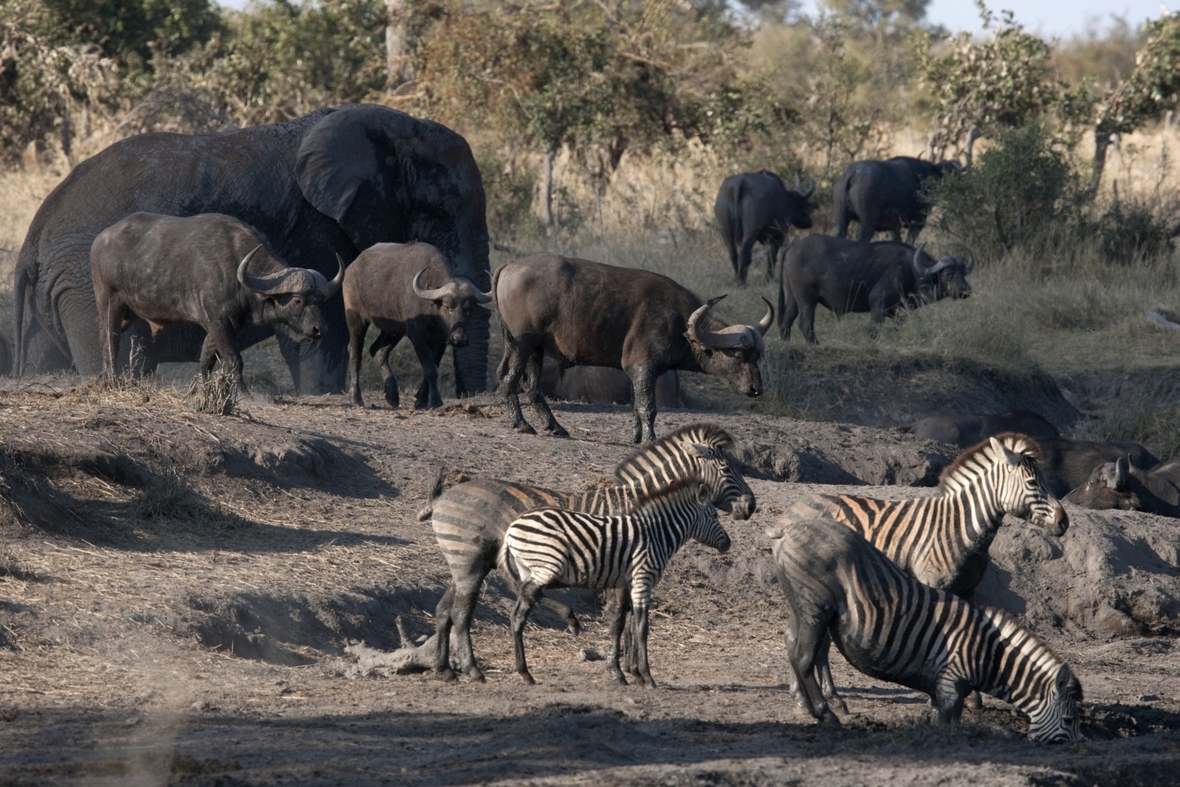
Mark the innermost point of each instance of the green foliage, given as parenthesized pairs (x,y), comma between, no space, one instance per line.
(983,88)
(1019,191)
(1129,231)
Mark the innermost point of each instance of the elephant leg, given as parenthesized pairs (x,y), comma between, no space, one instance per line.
(357,327)
(643,395)
(471,362)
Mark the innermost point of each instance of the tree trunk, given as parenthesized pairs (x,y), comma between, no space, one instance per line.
(397,45)
(547,189)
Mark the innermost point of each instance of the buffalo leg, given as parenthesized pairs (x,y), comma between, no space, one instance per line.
(807,321)
(744,259)
(772,259)
(532,391)
(111,329)
(385,343)
(428,396)
(643,395)
(357,327)
(788,308)
(731,245)
(219,343)
(516,357)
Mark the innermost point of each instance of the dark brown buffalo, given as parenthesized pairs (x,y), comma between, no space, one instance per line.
(603,385)
(1068,463)
(757,207)
(854,276)
(406,289)
(588,313)
(884,196)
(1122,485)
(167,270)
(967,429)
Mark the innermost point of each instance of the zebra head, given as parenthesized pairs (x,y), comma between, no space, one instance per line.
(1021,487)
(1056,719)
(685,505)
(697,449)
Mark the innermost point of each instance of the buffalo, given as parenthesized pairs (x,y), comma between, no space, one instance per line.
(1122,485)
(856,276)
(885,195)
(406,289)
(602,385)
(588,313)
(169,270)
(1067,464)
(968,429)
(757,207)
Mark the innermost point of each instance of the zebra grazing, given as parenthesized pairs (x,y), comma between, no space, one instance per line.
(892,627)
(943,540)
(557,547)
(469,520)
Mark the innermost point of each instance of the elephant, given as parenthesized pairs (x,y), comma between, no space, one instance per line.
(336,181)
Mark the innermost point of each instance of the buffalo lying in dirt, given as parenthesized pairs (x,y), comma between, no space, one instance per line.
(854,276)
(588,313)
(170,270)
(757,207)
(603,385)
(406,289)
(1067,464)
(885,195)
(967,429)
(1122,485)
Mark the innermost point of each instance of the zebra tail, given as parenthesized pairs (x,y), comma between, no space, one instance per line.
(443,480)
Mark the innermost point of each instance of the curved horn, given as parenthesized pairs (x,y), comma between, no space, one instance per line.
(429,295)
(921,269)
(482,297)
(810,187)
(330,290)
(970,261)
(252,282)
(768,320)
(694,322)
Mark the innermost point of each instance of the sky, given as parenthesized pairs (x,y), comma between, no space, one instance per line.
(1048,18)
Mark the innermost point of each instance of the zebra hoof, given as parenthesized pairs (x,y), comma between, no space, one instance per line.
(528,679)
(524,428)
(974,701)
(830,719)
(838,706)
(619,678)
(559,431)
(447,675)
(475,674)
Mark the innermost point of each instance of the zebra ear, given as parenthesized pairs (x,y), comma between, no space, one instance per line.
(1064,679)
(1002,450)
(702,494)
(703,451)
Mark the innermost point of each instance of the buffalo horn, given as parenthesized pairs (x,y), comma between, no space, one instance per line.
(242,275)
(287,281)
(810,187)
(731,336)
(970,261)
(921,269)
(768,320)
(332,286)
(482,297)
(430,295)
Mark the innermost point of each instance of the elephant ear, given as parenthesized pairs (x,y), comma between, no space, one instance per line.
(344,168)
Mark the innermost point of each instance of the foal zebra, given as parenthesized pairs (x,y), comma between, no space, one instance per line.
(626,552)
(943,540)
(469,520)
(892,627)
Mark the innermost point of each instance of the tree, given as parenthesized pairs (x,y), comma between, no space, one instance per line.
(1152,89)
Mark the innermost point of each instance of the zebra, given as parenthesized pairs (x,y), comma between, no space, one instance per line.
(469,521)
(840,588)
(626,553)
(943,540)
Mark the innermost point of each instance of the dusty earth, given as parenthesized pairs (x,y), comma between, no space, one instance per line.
(191,599)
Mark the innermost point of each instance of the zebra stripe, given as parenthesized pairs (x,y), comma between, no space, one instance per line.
(469,520)
(624,552)
(892,627)
(943,540)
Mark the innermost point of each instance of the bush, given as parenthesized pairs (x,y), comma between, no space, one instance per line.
(1131,231)
(1022,190)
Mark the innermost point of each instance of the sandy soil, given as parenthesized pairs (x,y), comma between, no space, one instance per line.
(183,600)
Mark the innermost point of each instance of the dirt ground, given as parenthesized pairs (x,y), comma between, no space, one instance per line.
(198,600)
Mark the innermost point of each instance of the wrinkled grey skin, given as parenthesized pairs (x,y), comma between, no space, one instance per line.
(855,276)
(603,385)
(882,196)
(336,181)
(757,207)
(1067,464)
(1121,485)
(166,270)
(967,429)
(379,290)
(588,313)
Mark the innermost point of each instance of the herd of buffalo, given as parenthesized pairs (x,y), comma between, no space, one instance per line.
(173,247)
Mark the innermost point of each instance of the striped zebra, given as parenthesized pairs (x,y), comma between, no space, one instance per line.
(892,627)
(942,540)
(469,520)
(626,553)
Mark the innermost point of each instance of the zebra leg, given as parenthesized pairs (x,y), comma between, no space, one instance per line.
(525,602)
(465,595)
(442,635)
(571,620)
(948,699)
(803,646)
(639,625)
(622,603)
(823,668)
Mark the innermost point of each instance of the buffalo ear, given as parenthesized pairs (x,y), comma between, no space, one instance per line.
(346,168)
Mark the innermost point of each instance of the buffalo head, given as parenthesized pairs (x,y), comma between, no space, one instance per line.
(946,278)
(291,297)
(802,214)
(1109,486)
(731,351)
(455,301)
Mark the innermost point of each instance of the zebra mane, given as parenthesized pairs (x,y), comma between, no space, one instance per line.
(681,488)
(1018,637)
(638,465)
(966,463)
